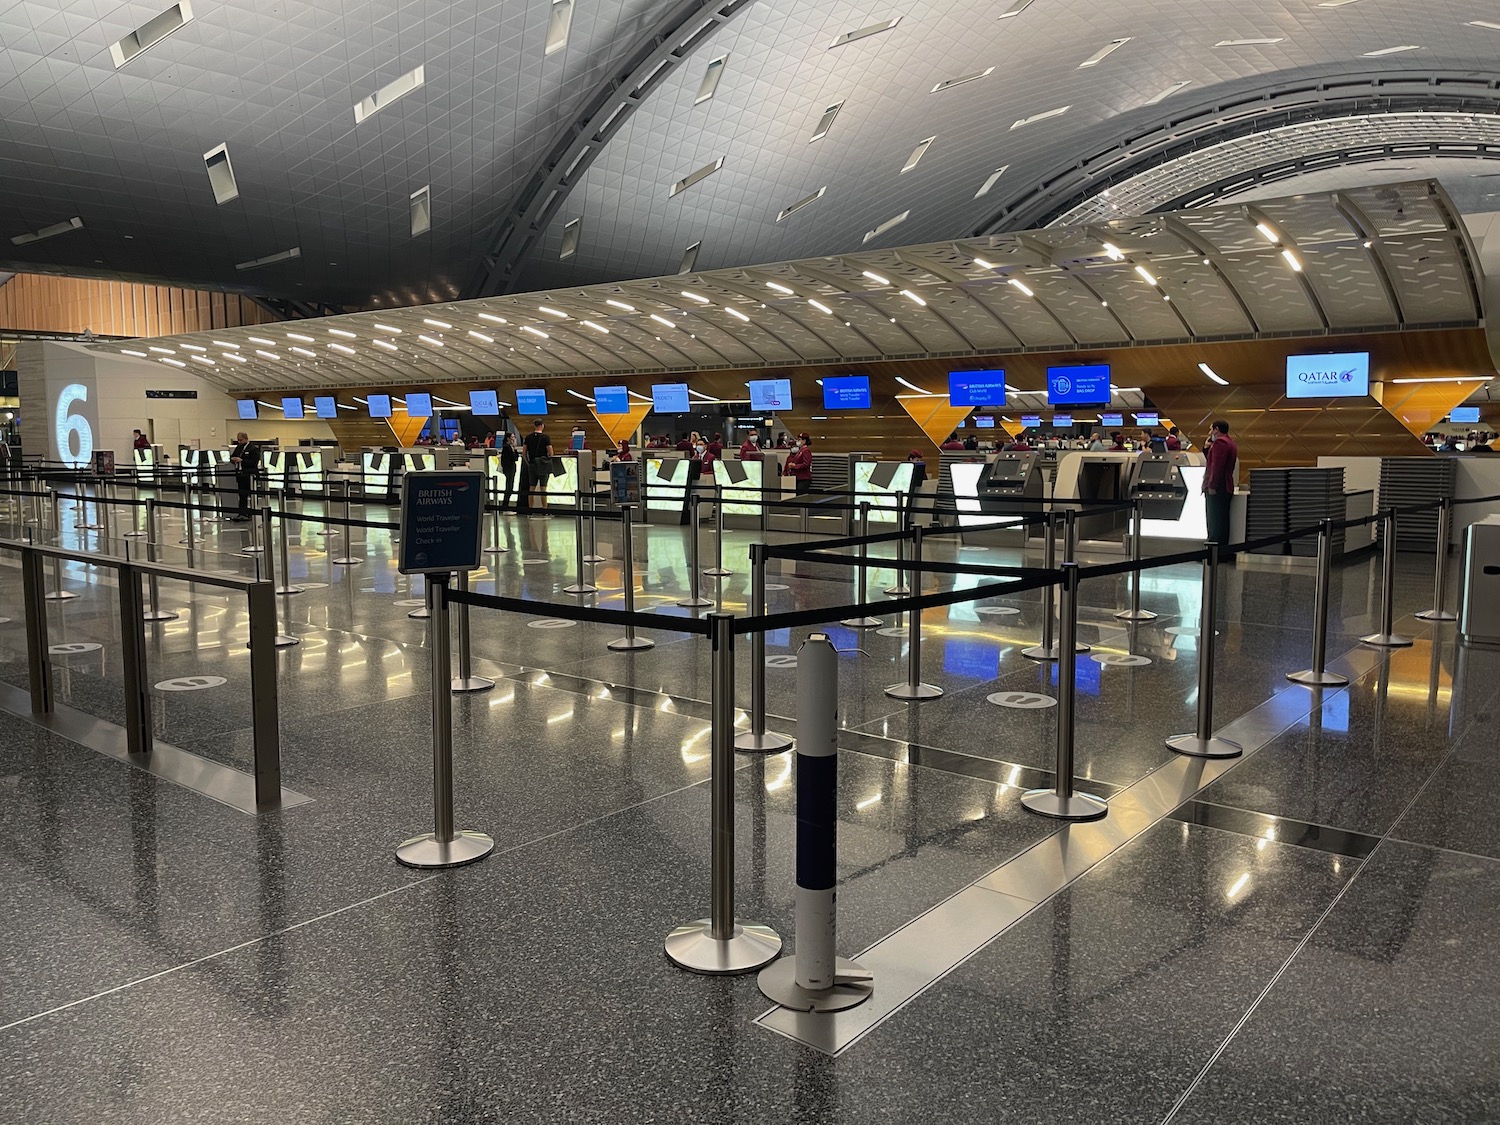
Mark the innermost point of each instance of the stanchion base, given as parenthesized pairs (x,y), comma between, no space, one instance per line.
(1436,615)
(497,550)
(60,596)
(630,644)
(695,603)
(1387,640)
(1313,678)
(1037,652)
(158,615)
(284,641)
(471,684)
(346,561)
(1135,615)
(914,691)
(898,592)
(1195,747)
(750,946)
(289,589)
(429,851)
(862,623)
(255,551)
(142,535)
(1080,806)
(767,742)
(420,614)
(576,588)
(594,559)
(853,984)
(718,572)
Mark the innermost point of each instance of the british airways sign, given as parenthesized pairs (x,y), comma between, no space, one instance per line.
(1340,375)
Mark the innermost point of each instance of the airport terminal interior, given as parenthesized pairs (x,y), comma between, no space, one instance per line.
(681,561)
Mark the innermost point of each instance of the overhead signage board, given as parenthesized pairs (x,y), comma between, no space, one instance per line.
(670,398)
(442,519)
(846,392)
(1083,385)
(246,407)
(171,394)
(1031,421)
(1149,418)
(611,400)
(985,421)
(1335,375)
(1111,419)
(326,406)
(531,402)
(770,395)
(292,408)
(379,406)
(484,404)
(1062,421)
(976,388)
(418,404)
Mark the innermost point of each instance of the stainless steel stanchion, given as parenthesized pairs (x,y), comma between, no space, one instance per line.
(1202,743)
(466,681)
(495,548)
(286,587)
(757,737)
(862,595)
(901,589)
(914,689)
(719,944)
(717,570)
(629,642)
(188,537)
(348,558)
(154,611)
(135,531)
(1062,802)
(445,846)
(1318,675)
(83,508)
(1070,554)
(422,613)
(593,558)
(695,598)
(1135,612)
(1388,637)
(255,546)
(1440,576)
(582,585)
(815,978)
(283,640)
(1047,650)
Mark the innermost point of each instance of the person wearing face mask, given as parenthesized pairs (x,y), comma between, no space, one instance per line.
(799,464)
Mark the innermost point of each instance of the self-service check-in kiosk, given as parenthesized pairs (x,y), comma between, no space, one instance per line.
(1008,482)
(1159,487)
(1097,479)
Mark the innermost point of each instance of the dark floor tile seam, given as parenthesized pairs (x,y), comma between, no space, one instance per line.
(1306,938)
(1232,819)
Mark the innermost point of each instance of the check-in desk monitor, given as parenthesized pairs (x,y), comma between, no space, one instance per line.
(1159,487)
(739,483)
(665,484)
(1099,478)
(1008,481)
(881,483)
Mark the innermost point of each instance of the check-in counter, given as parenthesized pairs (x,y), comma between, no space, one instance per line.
(203,468)
(145,463)
(1011,485)
(740,484)
(562,485)
(882,483)
(1097,478)
(380,474)
(962,488)
(664,486)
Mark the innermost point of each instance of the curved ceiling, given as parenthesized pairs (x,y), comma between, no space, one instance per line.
(954,117)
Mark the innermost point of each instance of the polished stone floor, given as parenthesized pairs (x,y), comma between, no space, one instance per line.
(1305,934)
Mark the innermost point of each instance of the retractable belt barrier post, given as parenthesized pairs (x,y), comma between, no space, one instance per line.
(255,546)
(286,588)
(154,611)
(815,978)
(1135,612)
(582,585)
(1202,743)
(863,596)
(1440,576)
(695,598)
(719,945)
(1047,650)
(1061,802)
(1318,675)
(495,548)
(593,558)
(445,846)
(1388,637)
(757,737)
(717,570)
(283,640)
(629,642)
(900,589)
(914,689)
(466,682)
(348,558)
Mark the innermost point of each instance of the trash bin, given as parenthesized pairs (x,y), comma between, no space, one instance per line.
(1479,614)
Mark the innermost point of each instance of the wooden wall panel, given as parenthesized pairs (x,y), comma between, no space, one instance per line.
(32,302)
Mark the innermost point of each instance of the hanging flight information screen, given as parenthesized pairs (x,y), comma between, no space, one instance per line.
(379,406)
(611,400)
(531,402)
(418,405)
(484,404)
(326,406)
(669,398)
(768,395)
(845,392)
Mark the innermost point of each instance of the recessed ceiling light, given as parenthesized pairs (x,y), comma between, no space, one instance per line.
(430,340)
(266,355)
(1391,51)
(982,264)
(231,355)
(711,75)
(55,229)
(221,175)
(1336,3)
(1485,24)
(1167,93)
(344,332)
(619,305)
(1113,252)
(534,331)
(825,122)
(597,327)
(1104,52)
(1022,286)
(300,336)
(1015,9)
(910,296)
(916,155)
(699,297)
(876,278)
(1035,117)
(801,203)
(386,344)
(780,288)
(695,177)
(1264,42)
(225,344)
(394,331)
(262,340)
(952,82)
(150,33)
(202,359)
(1212,374)
(436,323)
(481,337)
(553,312)
(1268,234)
(193,348)
(1291,260)
(132,351)
(736,314)
(303,351)
(984,188)
(174,362)
(270,259)
(390,92)
(662,320)
(820,306)
(345,348)
(864,32)
(1145,275)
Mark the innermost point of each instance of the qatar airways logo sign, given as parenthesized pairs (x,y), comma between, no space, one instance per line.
(1342,375)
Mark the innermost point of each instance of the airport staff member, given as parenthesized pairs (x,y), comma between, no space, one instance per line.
(140,441)
(799,464)
(242,457)
(750,450)
(1219,481)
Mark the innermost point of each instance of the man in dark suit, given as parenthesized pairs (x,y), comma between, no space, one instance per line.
(243,457)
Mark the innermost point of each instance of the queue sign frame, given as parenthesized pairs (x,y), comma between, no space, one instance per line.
(442,521)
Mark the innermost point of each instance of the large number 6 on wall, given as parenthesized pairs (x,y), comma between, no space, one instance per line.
(68,424)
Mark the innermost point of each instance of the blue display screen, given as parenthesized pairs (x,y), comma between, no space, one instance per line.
(531,402)
(1111,419)
(976,388)
(1337,375)
(611,400)
(292,408)
(1149,419)
(379,406)
(326,406)
(1078,386)
(770,395)
(418,405)
(1466,415)
(669,398)
(246,408)
(1062,421)
(844,392)
(1031,421)
(985,422)
(484,404)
